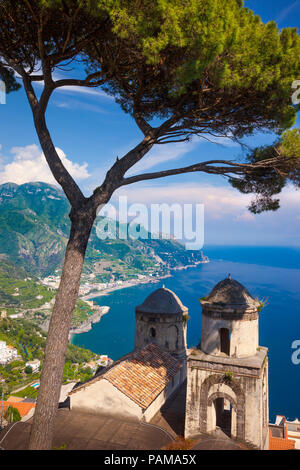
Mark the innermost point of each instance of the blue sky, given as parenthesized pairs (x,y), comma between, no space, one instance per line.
(90,130)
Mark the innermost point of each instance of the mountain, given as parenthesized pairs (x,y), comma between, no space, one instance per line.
(34,230)
(33,226)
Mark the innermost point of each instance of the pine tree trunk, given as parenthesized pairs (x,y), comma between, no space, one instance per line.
(58,334)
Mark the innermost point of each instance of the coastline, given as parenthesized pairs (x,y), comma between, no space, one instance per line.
(135,282)
(87,325)
(125,285)
(180,268)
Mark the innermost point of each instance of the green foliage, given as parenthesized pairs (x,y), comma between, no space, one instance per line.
(27,292)
(76,354)
(290,144)
(12,414)
(165,56)
(228,376)
(262,304)
(268,182)
(23,335)
(28,392)
(61,447)
(190,56)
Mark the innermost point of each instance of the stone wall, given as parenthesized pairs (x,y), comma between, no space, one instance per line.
(167,331)
(247,394)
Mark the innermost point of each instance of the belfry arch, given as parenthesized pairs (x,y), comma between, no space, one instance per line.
(208,409)
(221,413)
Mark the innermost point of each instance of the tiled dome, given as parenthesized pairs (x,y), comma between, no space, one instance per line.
(162,301)
(230,292)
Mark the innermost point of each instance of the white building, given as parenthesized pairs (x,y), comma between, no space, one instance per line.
(34,365)
(7,353)
(2,352)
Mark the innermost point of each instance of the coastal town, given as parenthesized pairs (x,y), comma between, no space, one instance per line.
(91,288)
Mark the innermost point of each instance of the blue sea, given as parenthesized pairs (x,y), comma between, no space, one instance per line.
(269,273)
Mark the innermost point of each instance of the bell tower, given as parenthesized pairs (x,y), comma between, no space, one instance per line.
(161,319)
(227,376)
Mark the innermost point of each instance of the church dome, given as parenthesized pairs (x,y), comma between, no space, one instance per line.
(232,293)
(162,301)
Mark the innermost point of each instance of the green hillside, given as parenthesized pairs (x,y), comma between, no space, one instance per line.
(34,230)
(30,340)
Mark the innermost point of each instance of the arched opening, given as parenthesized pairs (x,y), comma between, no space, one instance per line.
(234,402)
(223,409)
(225,341)
(152,332)
(223,417)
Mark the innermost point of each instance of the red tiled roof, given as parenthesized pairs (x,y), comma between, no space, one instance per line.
(141,375)
(22,407)
(144,375)
(278,443)
(281,443)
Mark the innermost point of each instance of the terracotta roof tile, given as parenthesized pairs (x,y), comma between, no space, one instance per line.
(141,375)
(22,407)
(280,443)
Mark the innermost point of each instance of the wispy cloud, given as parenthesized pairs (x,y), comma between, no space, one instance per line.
(161,154)
(220,202)
(82,90)
(76,104)
(286,11)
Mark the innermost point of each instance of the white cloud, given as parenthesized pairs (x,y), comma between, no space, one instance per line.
(245,217)
(29,165)
(219,201)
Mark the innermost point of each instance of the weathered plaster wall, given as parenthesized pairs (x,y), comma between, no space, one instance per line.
(243,336)
(103,398)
